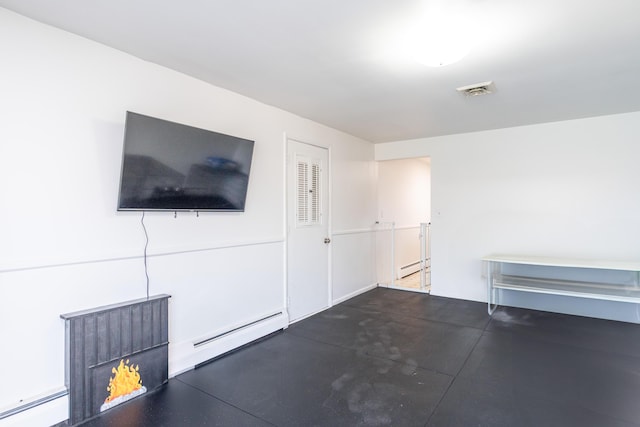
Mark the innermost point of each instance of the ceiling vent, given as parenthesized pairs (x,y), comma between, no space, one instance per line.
(477,89)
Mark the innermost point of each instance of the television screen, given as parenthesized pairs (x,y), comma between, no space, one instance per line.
(173,167)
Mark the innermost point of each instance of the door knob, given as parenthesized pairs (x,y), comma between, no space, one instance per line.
(327,240)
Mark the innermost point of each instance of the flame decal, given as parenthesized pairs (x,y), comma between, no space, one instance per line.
(125,380)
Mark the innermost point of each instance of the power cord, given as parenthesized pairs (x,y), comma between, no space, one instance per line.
(146,244)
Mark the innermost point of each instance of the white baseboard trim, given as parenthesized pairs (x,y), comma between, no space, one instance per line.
(400,288)
(47,414)
(185,356)
(308,315)
(354,293)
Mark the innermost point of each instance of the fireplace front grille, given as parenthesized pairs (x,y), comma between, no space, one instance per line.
(98,339)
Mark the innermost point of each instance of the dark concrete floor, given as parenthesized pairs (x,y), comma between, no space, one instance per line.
(398,358)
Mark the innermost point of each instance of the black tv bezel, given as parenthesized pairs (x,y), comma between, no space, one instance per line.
(155,209)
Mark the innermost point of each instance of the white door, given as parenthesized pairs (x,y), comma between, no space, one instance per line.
(307,229)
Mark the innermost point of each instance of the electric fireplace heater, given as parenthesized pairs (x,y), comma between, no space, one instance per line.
(115,353)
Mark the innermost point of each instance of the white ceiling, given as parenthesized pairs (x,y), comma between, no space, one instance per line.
(333,61)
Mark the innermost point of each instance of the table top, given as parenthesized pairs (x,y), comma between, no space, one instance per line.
(564,262)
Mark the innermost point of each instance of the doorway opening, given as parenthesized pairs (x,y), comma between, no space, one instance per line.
(403,230)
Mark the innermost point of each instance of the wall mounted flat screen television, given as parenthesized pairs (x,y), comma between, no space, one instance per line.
(174,167)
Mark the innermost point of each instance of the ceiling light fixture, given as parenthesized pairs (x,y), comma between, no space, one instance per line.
(441,51)
(444,34)
(436,33)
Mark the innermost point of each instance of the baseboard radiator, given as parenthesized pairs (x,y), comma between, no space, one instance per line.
(238,328)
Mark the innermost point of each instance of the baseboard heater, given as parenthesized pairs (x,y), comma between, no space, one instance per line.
(33,403)
(408,269)
(236,329)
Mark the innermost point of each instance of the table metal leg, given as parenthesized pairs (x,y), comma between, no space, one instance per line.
(492,297)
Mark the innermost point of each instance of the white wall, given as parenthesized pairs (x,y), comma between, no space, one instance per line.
(353,206)
(64,246)
(560,189)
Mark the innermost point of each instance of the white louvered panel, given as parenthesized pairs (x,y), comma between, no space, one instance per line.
(315,193)
(302,193)
(309,192)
